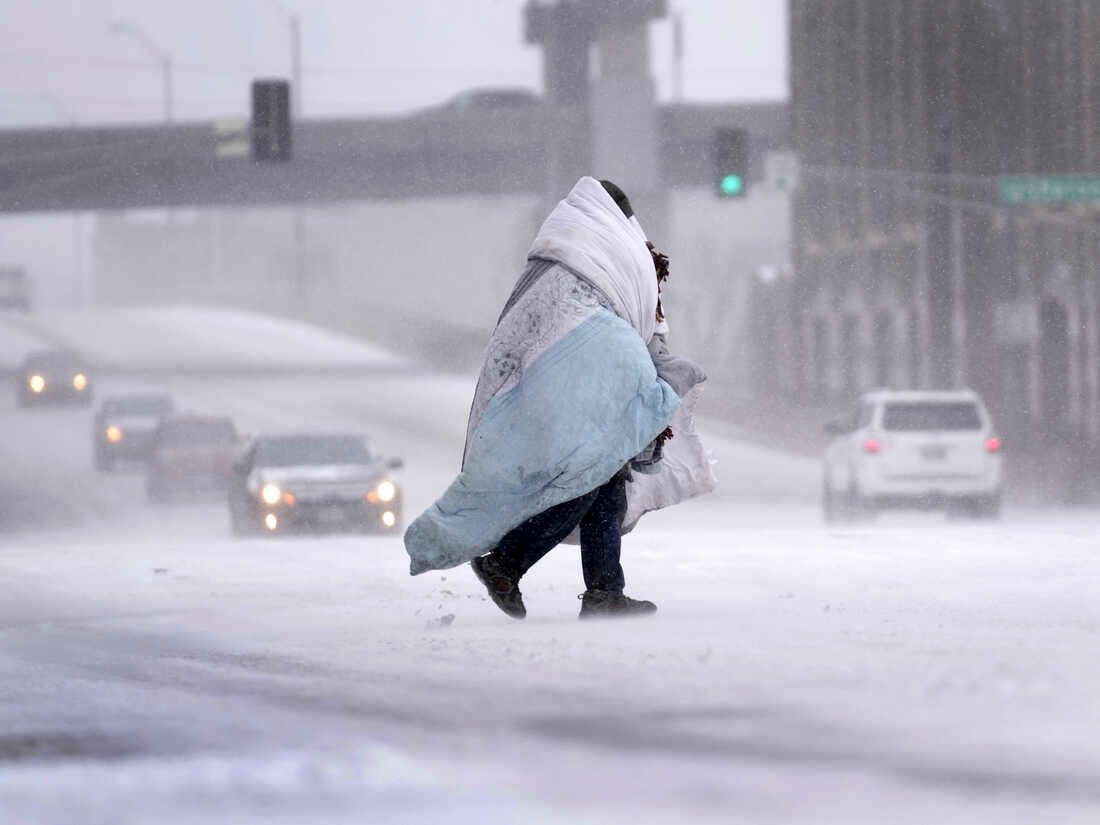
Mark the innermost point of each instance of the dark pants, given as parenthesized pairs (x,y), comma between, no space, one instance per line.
(600,516)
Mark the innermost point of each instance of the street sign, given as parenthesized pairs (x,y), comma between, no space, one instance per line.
(231,137)
(1049,189)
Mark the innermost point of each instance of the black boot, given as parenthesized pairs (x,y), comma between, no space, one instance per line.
(597,604)
(503,586)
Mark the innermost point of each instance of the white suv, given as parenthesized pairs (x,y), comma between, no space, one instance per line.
(913,449)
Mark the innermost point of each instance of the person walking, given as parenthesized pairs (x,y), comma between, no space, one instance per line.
(568,428)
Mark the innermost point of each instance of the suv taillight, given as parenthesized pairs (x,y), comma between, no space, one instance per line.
(993,444)
(872,445)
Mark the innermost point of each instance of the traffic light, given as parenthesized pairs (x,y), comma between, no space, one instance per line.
(731,162)
(270,120)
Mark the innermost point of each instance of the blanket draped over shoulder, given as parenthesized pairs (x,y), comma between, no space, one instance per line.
(568,392)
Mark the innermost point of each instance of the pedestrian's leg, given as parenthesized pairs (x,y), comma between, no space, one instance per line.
(601,537)
(523,546)
(501,570)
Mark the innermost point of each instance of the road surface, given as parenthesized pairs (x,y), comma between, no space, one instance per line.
(152,669)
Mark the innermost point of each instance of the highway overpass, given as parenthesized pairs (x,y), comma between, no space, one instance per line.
(441,151)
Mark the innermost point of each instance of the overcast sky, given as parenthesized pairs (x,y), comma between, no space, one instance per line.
(58,61)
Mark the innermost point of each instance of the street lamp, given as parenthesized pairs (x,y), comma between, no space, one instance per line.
(163,58)
(295,58)
(295,113)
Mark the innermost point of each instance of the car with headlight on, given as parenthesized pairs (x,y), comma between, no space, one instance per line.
(124,426)
(54,377)
(191,454)
(313,483)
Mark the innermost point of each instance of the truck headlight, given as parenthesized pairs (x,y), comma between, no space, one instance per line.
(271,494)
(114,434)
(80,381)
(37,383)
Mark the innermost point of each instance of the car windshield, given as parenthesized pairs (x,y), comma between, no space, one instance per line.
(289,452)
(54,361)
(197,433)
(932,415)
(138,406)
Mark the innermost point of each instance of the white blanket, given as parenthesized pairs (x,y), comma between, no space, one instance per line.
(590,234)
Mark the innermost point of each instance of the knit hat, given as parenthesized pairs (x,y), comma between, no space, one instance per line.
(619,196)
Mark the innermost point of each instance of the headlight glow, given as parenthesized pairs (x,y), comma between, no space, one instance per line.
(389,519)
(114,434)
(270,522)
(271,494)
(80,381)
(386,491)
(37,383)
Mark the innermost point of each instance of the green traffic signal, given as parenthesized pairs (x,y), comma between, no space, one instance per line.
(731,185)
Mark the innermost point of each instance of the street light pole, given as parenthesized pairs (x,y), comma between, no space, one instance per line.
(677,56)
(296,65)
(166,80)
(299,215)
(159,56)
(295,57)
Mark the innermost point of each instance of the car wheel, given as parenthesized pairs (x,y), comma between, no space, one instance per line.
(987,508)
(241,526)
(859,507)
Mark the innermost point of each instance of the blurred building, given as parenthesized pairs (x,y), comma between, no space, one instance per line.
(911,268)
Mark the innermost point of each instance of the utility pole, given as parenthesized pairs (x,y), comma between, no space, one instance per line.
(296,66)
(299,217)
(295,27)
(166,81)
(941,262)
(677,56)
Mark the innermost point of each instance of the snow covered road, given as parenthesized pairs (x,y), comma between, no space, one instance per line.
(154,670)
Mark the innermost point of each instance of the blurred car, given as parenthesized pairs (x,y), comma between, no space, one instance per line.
(15,289)
(913,449)
(123,428)
(54,377)
(191,454)
(311,482)
(482,102)
(493,99)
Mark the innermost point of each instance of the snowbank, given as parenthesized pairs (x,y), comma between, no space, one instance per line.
(16,343)
(203,338)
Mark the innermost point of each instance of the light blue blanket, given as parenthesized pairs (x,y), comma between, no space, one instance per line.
(577,414)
